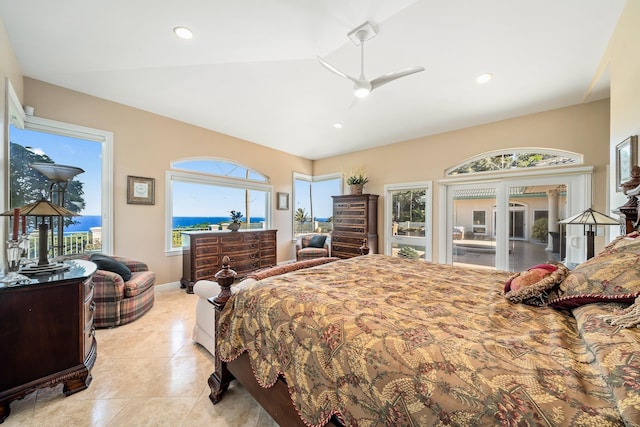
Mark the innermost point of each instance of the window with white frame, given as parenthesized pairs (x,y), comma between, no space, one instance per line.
(312,202)
(201,193)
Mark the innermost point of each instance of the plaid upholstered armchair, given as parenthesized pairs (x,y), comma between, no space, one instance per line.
(121,295)
(309,246)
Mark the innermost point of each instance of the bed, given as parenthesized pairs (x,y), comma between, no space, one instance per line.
(375,340)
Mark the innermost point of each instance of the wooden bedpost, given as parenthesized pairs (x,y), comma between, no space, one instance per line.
(221,377)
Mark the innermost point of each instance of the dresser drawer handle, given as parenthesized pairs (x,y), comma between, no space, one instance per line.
(92,306)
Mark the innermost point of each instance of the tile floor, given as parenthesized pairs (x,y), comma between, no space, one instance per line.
(148,373)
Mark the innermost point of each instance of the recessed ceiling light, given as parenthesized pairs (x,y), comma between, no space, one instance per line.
(483,78)
(183,32)
(337,125)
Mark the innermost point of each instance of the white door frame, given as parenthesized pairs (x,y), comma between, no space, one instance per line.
(577,180)
(388,236)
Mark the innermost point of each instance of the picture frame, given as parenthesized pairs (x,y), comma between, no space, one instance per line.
(140,190)
(283,201)
(626,155)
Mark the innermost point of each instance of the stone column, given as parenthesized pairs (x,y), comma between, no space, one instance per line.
(552,200)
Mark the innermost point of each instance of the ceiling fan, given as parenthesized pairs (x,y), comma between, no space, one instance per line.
(361,86)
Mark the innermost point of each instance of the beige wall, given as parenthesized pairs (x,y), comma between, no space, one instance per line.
(582,129)
(624,67)
(144,145)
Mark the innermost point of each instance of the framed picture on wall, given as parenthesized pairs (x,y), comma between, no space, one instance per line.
(140,191)
(626,155)
(283,201)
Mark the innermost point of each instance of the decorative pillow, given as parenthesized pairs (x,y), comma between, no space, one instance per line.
(317,241)
(536,285)
(620,242)
(612,275)
(105,262)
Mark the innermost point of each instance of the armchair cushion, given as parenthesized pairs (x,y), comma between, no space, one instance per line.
(317,241)
(107,263)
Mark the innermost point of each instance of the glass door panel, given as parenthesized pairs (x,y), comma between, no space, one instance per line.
(408,214)
(534,236)
(474,242)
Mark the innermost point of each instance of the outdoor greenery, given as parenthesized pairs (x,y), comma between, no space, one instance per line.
(540,229)
(409,206)
(29,185)
(408,252)
(504,161)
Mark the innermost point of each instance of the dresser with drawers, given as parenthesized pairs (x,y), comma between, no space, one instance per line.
(47,333)
(202,253)
(355,218)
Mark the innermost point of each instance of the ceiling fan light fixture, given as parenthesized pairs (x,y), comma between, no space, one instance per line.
(361,92)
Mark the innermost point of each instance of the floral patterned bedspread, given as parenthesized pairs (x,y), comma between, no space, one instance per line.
(388,341)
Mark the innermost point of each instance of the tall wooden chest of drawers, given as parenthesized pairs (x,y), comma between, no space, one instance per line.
(355,218)
(202,253)
(47,333)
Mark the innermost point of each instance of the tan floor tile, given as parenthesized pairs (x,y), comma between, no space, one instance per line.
(147,373)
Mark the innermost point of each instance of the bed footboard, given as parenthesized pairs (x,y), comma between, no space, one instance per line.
(275,400)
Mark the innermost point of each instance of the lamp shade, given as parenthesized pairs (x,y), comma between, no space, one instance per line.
(41,208)
(57,173)
(590,217)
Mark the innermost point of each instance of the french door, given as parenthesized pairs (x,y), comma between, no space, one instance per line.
(509,241)
(407,219)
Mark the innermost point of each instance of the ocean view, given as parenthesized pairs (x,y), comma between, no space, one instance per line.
(84,223)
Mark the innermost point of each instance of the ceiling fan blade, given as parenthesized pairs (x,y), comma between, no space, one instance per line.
(335,70)
(386,78)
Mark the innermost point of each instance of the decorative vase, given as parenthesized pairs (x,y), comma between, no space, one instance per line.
(234,226)
(356,188)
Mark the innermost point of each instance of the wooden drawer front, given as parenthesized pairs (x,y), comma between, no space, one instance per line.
(246,266)
(200,263)
(207,273)
(241,247)
(346,213)
(88,288)
(208,240)
(267,252)
(232,238)
(346,220)
(349,229)
(268,237)
(347,241)
(267,261)
(240,258)
(344,253)
(89,333)
(89,309)
(206,251)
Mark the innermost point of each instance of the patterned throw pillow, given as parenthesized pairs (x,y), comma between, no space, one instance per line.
(536,285)
(613,275)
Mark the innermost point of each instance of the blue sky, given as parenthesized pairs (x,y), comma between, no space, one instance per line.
(189,200)
(72,152)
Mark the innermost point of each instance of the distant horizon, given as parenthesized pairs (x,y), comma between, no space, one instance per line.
(86,222)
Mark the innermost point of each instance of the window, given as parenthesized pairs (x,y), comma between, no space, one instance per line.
(89,193)
(518,158)
(202,192)
(312,202)
(479,222)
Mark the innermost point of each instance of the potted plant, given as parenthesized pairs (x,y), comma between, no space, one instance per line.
(235,220)
(356,181)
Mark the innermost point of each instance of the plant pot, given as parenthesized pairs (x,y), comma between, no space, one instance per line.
(356,188)
(234,226)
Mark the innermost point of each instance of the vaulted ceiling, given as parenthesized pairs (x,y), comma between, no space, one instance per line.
(251,71)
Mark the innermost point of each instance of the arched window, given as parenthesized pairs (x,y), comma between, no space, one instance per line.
(202,192)
(516,158)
